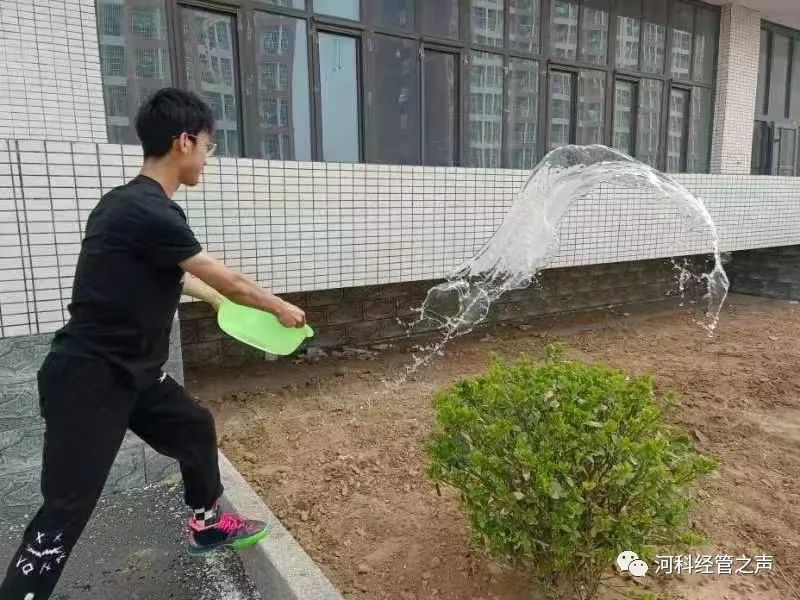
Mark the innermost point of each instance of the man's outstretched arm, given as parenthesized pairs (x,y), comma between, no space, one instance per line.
(209,279)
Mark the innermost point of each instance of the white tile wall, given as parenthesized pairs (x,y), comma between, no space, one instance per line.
(50,67)
(309,226)
(737,79)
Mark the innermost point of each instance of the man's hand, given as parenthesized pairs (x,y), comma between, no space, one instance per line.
(291,316)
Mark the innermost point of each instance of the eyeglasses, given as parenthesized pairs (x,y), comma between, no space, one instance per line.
(211,147)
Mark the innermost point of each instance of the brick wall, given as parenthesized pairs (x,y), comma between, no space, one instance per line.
(737,78)
(370,314)
(49,58)
(769,272)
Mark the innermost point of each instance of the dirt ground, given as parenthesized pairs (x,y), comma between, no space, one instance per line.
(339,456)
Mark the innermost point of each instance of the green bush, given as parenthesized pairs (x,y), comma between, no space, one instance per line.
(563,465)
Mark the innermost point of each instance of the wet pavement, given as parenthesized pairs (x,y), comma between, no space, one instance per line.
(134,547)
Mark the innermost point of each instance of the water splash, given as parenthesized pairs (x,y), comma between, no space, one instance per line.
(528,238)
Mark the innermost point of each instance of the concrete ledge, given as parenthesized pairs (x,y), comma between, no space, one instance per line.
(278,567)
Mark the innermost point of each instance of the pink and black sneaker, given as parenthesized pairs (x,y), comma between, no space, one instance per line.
(228,530)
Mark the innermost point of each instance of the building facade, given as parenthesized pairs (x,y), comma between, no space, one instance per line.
(370,145)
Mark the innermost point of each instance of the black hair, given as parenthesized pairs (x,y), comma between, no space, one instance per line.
(167,114)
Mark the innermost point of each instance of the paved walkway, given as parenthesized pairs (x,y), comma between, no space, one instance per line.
(134,548)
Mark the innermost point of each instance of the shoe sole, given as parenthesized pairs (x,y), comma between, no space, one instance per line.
(237,544)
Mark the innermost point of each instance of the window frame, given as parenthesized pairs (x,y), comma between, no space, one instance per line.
(243,13)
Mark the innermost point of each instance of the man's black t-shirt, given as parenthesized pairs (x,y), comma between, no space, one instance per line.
(128,280)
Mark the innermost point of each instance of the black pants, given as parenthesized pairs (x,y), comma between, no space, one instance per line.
(87,411)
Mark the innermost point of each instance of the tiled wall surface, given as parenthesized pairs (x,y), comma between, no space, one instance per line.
(51,84)
(314,226)
(737,79)
(22,429)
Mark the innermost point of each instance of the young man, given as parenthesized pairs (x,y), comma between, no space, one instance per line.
(103,374)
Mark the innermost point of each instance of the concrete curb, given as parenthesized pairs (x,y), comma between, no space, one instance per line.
(278,567)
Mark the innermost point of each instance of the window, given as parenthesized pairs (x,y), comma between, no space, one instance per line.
(396,14)
(338,66)
(594,32)
(487,22)
(439,131)
(777,111)
(226,68)
(561,86)
(298,4)
(134,63)
(628,32)
(486,80)
(591,107)
(109,17)
(648,123)
(522,119)
(698,145)
(624,105)
(523,25)
(441,18)
(151,63)
(206,41)
(676,132)
(759,161)
(384,82)
(564,29)
(283,86)
(147,22)
(706,33)
(270,40)
(344,9)
(395,125)
(654,35)
(116,101)
(112,60)
(682,19)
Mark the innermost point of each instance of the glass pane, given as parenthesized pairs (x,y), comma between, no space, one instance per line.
(591,106)
(390,13)
(440,108)
(207,42)
(487,22)
(280,46)
(777,78)
(763,71)
(594,32)
(623,116)
(706,33)
(654,35)
(560,108)
(485,110)
(134,60)
(344,9)
(786,150)
(628,13)
(441,18)
(759,162)
(649,121)
(523,25)
(678,105)
(338,74)
(396,117)
(109,18)
(682,17)
(522,110)
(298,4)
(564,29)
(794,100)
(699,132)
